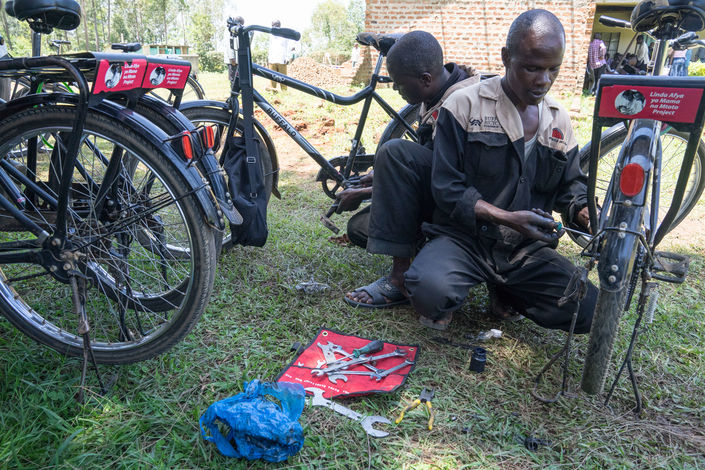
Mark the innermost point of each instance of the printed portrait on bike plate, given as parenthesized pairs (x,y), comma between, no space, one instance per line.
(157,76)
(630,102)
(112,76)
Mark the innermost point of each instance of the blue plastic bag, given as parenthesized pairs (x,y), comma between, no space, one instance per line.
(259,428)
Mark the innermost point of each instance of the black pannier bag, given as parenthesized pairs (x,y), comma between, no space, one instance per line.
(246,186)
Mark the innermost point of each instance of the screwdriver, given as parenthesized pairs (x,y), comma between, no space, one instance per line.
(573,231)
(371,347)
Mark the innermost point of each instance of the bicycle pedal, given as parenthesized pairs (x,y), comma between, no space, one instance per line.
(670,267)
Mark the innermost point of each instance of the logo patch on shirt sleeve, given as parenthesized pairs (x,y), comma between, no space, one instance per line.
(434,114)
(557,134)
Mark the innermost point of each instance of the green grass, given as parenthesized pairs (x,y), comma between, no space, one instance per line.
(150,418)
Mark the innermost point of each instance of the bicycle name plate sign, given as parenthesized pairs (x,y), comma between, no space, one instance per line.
(115,74)
(667,99)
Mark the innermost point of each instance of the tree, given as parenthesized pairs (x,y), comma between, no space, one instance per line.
(334,27)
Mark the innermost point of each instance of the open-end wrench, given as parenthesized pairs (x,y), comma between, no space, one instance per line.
(329,356)
(391,370)
(340,350)
(366,421)
(361,360)
(375,375)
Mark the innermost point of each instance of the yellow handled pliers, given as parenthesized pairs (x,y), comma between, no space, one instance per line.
(425,397)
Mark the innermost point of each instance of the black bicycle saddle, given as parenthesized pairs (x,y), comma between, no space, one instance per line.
(688,15)
(45,15)
(126,46)
(381,42)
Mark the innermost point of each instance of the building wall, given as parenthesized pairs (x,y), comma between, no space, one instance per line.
(472,32)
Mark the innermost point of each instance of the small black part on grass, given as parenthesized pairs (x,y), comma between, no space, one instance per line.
(478,360)
(298,347)
(532,443)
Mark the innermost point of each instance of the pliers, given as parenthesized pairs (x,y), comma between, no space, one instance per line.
(425,397)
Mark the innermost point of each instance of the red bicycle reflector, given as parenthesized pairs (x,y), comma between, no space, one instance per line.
(631,180)
(186,145)
(210,137)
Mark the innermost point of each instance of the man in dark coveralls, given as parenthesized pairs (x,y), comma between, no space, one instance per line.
(504,157)
(402,189)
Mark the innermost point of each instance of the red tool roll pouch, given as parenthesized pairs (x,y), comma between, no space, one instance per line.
(299,370)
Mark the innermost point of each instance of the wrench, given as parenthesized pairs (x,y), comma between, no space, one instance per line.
(361,360)
(329,356)
(365,421)
(391,370)
(378,375)
(340,350)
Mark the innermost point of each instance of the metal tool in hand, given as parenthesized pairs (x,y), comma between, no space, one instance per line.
(367,422)
(573,231)
(360,360)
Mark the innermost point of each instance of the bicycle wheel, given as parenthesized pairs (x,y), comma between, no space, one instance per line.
(396,130)
(608,310)
(139,300)
(673,145)
(220,118)
(192,91)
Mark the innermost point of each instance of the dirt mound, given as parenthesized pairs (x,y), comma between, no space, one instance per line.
(310,71)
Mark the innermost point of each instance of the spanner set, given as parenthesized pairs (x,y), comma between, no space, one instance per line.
(339,369)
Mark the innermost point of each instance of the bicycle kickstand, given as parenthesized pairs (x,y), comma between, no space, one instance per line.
(648,296)
(576,290)
(78,287)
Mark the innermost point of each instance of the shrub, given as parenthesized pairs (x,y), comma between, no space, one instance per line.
(211,62)
(696,69)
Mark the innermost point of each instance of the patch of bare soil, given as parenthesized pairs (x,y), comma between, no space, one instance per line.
(320,75)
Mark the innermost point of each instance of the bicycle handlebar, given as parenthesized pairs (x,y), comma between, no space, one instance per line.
(236,28)
(615,22)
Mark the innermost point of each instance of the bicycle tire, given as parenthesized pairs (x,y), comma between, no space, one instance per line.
(673,145)
(608,311)
(220,118)
(395,129)
(145,330)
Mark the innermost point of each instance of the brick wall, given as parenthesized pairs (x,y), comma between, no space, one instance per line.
(473,32)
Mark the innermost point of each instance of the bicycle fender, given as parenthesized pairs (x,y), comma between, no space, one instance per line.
(619,247)
(197,183)
(268,142)
(207,164)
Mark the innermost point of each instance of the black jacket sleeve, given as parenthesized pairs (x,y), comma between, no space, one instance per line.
(572,192)
(450,175)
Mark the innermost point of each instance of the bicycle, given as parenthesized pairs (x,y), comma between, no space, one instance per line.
(336,173)
(95,201)
(630,223)
(153,105)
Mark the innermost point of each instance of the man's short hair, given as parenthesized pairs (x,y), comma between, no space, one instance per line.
(416,53)
(543,20)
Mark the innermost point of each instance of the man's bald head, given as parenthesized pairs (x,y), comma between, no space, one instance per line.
(539,22)
(414,54)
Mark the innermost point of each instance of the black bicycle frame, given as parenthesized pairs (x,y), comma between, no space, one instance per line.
(244,85)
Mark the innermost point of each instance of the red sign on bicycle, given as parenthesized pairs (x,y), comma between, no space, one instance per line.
(164,75)
(650,102)
(119,76)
